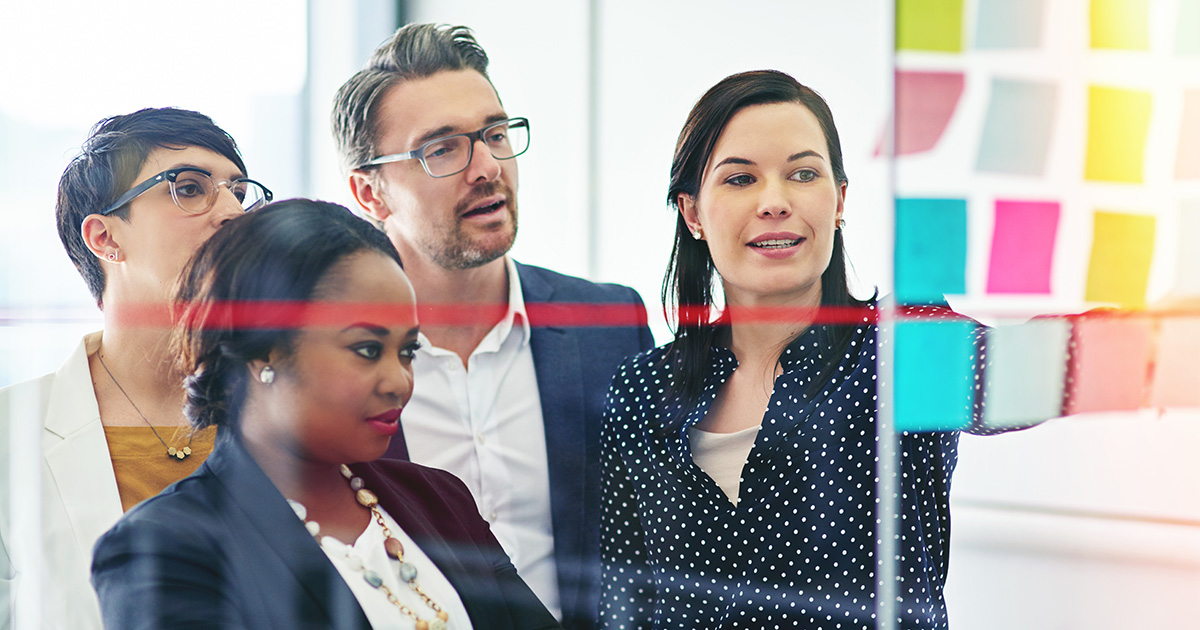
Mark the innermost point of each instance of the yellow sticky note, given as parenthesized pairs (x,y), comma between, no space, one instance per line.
(1116,139)
(929,25)
(1122,246)
(1121,24)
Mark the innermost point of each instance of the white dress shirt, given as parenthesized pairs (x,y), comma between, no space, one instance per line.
(484,425)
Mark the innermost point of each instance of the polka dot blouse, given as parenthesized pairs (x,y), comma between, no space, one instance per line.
(798,548)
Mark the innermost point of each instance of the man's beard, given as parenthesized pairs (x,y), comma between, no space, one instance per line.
(457,249)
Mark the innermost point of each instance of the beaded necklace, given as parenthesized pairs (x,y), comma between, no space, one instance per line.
(395,550)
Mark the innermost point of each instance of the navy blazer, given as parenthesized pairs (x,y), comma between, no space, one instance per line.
(574,366)
(223,549)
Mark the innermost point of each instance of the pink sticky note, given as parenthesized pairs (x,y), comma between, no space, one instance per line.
(1176,378)
(1022,246)
(925,101)
(1109,363)
(1187,160)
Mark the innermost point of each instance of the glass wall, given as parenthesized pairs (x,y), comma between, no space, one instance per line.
(1043,150)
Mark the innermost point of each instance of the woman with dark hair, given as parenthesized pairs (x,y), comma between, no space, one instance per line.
(144,192)
(739,460)
(298,328)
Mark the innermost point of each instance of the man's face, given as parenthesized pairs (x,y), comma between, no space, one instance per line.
(456,222)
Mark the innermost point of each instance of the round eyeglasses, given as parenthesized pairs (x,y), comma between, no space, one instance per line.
(195,191)
(450,155)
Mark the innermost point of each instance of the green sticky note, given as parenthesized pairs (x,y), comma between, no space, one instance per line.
(935,375)
(1025,372)
(934,25)
(931,249)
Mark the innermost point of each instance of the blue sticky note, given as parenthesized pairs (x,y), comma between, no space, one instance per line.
(931,249)
(1025,369)
(1017,127)
(1008,24)
(935,375)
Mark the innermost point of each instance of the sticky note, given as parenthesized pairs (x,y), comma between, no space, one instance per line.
(931,249)
(1116,134)
(1017,127)
(1122,246)
(925,102)
(1008,24)
(934,375)
(1025,368)
(1187,25)
(1187,158)
(1121,24)
(1022,246)
(1176,375)
(1109,363)
(934,25)
(1187,258)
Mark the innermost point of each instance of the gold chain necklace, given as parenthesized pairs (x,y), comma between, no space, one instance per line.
(171,450)
(395,550)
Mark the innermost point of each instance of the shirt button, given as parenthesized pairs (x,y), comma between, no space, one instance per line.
(491,516)
(479,438)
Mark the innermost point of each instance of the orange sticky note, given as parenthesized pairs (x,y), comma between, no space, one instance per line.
(1109,363)
(1121,24)
(1122,246)
(1116,134)
(1187,160)
(1176,375)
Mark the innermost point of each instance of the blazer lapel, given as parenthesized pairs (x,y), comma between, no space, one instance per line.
(79,463)
(557,361)
(260,505)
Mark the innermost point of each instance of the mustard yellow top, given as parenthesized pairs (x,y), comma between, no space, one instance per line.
(142,465)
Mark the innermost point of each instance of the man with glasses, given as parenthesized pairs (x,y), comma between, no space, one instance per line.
(146,190)
(509,404)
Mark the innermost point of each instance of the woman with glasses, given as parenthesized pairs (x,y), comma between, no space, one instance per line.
(147,189)
(739,461)
(291,523)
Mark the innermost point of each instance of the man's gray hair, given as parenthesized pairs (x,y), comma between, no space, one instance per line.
(415,51)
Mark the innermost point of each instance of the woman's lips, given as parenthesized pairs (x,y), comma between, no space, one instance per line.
(387,423)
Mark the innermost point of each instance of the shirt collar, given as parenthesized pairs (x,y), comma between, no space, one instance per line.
(515,317)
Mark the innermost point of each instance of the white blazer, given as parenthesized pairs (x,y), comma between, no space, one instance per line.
(78,494)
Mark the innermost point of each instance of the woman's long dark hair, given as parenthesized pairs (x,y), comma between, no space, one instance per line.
(687,291)
(277,254)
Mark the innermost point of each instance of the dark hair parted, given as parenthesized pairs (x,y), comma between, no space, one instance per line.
(687,291)
(111,158)
(415,51)
(277,254)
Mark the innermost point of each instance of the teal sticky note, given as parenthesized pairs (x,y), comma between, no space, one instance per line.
(1024,372)
(1017,127)
(931,249)
(1009,24)
(1188,25)
(934,375)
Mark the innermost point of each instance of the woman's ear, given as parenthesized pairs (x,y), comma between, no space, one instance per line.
(98,236)
(841,208)
(687,210)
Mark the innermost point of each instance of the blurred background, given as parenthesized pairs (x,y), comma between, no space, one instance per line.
(1088,521)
